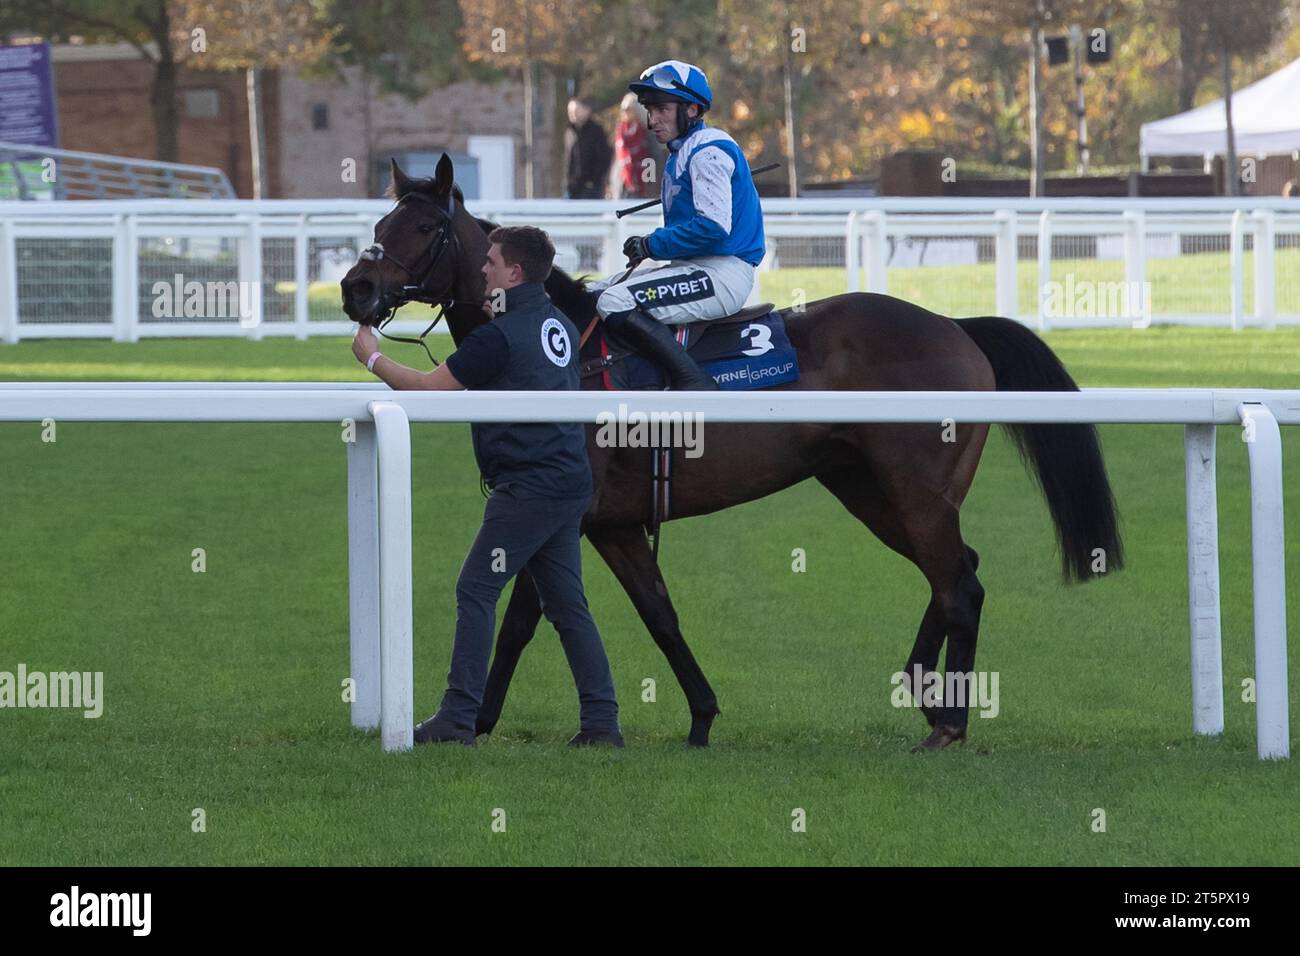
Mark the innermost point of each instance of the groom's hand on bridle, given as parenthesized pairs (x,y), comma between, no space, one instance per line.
(364,343)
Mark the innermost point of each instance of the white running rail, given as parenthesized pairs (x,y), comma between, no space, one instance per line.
(130,269)
(379,490)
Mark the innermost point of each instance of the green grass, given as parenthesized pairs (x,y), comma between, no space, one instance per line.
(1186,285)
(223,688)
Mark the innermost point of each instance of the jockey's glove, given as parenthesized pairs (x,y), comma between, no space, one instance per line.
(636,249)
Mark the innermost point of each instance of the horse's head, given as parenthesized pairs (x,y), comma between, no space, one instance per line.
(415,254)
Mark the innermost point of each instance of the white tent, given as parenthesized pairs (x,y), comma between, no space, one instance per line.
(1265,121)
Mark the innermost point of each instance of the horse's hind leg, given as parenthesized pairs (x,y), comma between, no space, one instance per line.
(857,490)
(518,626)
(925,651)
(909,493)
(628,555)
(949,566)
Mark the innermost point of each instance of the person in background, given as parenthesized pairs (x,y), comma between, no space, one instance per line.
(589,154)
(632,149)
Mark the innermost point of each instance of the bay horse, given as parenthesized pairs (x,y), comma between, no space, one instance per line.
(905,482)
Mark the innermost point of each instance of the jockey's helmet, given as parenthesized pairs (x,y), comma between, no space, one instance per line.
(673,81)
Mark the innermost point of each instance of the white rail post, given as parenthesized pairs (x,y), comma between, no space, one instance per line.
(1135,267)
(393,440)
(121,311)
(363,574)
(131,282)
(1237,269)
(1268,556)
(301,304)
(251,265)
(877,252)
(611,250)
(8,284)
(1044,267)
(1265,238)
(1203,580)
(1008,293)
(853,252)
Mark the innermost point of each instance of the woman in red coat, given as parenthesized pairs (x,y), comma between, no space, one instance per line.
(635,177)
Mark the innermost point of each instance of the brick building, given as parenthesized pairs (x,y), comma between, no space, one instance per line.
(313,126)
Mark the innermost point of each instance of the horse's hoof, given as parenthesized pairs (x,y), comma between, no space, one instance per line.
(484,727)
(940,738)
(700,728)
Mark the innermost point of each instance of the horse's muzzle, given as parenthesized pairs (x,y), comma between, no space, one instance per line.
(360,296)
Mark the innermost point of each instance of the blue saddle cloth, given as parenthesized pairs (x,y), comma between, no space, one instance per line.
(740,356)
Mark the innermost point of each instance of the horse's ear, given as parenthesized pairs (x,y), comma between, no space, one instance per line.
(401,182)
(443,177)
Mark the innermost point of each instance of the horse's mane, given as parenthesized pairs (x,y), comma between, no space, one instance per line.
(571,296)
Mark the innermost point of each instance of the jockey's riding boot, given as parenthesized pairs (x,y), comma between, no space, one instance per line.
(657,340)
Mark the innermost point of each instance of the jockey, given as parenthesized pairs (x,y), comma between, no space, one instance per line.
(712,236)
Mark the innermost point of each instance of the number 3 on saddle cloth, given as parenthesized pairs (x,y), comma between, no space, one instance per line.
(749,350)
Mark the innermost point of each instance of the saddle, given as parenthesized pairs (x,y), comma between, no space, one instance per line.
(749,349)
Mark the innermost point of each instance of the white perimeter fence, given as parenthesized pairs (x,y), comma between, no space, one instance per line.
(126,269)
(379,491)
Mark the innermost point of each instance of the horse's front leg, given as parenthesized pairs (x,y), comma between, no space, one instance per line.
(628,555)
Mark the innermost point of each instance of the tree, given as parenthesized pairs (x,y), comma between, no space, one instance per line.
(1195,48)
(818,50)
(405,47)
(1220,30)
(526,34)
(252,36)
(1035,16)
(218,34)
(148,25)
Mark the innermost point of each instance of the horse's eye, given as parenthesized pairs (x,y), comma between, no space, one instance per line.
(426,227)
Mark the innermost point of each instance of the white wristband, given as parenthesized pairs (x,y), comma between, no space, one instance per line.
(374,357)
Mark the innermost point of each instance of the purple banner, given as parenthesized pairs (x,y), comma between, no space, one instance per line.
(27,108)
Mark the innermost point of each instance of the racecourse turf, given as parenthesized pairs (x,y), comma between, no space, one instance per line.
(222,689)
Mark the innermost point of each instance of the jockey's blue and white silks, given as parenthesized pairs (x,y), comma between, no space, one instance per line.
(710,204)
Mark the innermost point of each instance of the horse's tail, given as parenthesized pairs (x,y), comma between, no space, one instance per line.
(1065,459)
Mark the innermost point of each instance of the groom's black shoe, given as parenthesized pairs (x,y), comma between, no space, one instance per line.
(597,738)
(436,730)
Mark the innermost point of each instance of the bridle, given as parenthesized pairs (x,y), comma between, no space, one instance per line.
(392,299)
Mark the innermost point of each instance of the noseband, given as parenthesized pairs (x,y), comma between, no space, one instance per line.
(392,299)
